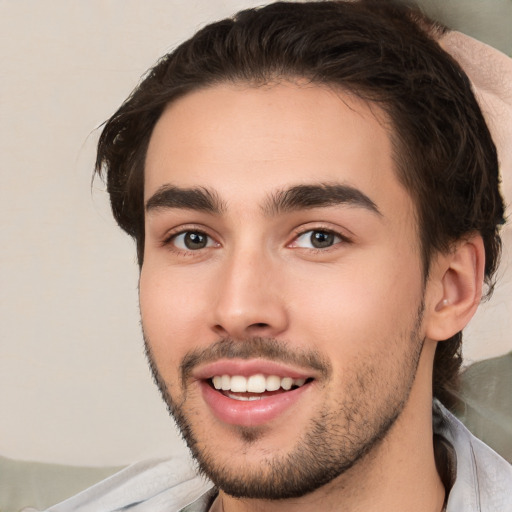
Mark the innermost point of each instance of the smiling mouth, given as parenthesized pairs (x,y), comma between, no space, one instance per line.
(255,387)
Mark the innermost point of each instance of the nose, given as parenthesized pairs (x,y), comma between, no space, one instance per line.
(249,300)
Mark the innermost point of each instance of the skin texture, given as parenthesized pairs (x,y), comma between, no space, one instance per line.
(356,316)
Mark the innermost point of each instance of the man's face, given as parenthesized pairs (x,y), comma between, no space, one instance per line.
(281,258)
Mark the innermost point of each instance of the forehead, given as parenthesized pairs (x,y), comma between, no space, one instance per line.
(245,142)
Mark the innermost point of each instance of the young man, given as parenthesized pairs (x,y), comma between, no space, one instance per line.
(313,192)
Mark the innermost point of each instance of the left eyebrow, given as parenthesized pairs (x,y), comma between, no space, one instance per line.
(302,197)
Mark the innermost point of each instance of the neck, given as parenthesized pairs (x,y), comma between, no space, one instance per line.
(399,474)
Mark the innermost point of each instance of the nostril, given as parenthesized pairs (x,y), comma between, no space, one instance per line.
(260,325)
(219,330)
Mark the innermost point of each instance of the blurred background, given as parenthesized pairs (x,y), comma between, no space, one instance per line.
(74,386)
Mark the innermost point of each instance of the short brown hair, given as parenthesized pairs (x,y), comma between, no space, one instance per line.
(383,52)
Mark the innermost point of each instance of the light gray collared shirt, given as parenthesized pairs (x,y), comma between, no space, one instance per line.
(483,480)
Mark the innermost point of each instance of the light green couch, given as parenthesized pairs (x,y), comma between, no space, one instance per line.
(38,485)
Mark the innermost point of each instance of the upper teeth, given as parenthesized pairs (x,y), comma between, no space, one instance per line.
(258,383)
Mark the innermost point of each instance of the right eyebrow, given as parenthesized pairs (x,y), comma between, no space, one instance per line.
(196,198)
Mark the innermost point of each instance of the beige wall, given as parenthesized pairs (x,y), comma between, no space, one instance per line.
(74,387)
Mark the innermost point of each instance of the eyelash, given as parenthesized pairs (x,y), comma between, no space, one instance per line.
(318,229)
(168,241)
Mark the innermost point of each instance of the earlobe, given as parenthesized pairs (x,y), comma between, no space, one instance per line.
(455,286)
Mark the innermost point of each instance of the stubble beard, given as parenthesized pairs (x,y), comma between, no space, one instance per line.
(336,439)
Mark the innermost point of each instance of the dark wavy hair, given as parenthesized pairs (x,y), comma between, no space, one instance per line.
(384,52)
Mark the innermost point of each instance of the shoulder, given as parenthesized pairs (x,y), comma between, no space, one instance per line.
(483,479)
(154,485)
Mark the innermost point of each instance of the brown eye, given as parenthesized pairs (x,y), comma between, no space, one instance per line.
(192,241)
(317,239)
(195,241)
(322,239)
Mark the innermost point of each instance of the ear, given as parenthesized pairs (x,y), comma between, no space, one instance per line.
(454,288)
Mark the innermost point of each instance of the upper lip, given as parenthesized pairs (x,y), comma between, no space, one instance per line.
(249,367)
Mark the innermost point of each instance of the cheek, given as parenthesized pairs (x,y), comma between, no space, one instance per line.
(170,317)
(356,305)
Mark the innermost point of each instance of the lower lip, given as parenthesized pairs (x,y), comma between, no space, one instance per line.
(253,412)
